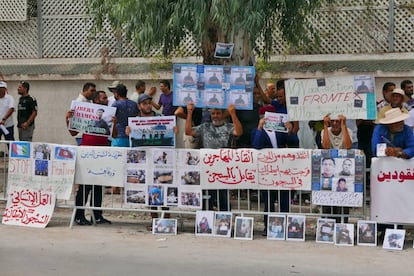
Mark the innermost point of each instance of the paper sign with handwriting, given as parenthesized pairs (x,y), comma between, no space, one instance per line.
(312,99)
(286,169)
(28,207)
(101,166)
(228,168)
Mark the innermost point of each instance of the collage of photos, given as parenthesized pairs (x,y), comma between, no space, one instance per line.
(337,174)
(163,177)
(213,86)
(338,177)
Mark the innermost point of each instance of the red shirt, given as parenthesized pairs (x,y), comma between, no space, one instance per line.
(94,140)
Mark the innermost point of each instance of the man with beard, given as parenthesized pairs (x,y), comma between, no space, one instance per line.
(26,112)
(214,135)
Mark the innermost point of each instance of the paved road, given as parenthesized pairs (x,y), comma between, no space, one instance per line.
(128,249)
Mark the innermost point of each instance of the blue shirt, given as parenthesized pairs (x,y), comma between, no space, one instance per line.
(124,109)
(403,139)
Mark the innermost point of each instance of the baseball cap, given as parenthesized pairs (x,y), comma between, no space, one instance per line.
(114,85)
(144,97)
(3,84)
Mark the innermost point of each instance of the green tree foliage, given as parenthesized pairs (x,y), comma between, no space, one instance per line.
(165,23)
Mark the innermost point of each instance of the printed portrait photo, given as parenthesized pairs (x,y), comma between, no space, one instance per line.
(155,195)
(325,230)
(172,196)
(342,184)
(204,223)
(276,225)
(345,167)
(295,228)
(367,233)
(243,229)
(222,224)
(344,234)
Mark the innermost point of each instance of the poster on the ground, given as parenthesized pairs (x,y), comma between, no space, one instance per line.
(152,131)
(91,118)
(312,99)
(42,166)
(29,207)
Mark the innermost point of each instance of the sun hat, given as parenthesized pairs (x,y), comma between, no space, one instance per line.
(114,85)
(400,92)
(393,115)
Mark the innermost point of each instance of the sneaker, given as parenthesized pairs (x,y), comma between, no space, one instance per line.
(102,220)
(82,221)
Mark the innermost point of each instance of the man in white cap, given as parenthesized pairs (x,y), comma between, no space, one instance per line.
(7,106)
(397,99)
(393,132)
(111,89)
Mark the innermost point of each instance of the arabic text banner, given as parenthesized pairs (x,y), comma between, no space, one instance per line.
(392,190)
(28,207)
(312,99)
(284,169)
(229,168)
(100,166)
(41,166)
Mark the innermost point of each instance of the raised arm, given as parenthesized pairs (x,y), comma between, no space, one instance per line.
(238,129)
(188,121)
(347,141)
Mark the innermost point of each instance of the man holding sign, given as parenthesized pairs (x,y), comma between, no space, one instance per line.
(89,139)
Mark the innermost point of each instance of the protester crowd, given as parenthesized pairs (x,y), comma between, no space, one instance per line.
(231,128)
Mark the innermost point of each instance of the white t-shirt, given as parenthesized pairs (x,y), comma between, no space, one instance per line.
(6,103)
(336,141)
